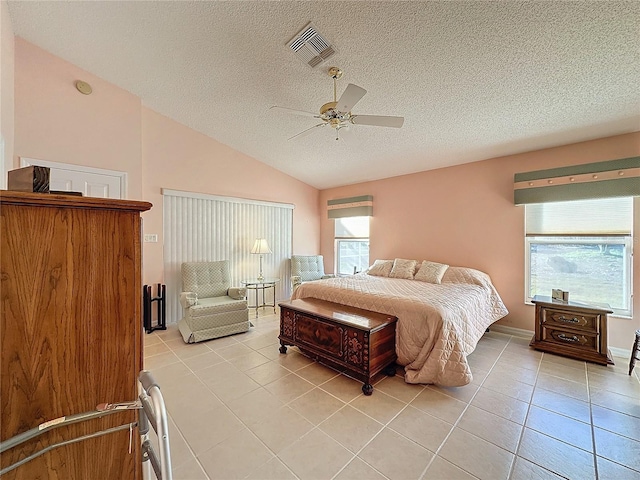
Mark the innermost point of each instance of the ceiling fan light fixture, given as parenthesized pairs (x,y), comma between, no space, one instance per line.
(327,107)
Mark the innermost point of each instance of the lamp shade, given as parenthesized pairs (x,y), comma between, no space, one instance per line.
(261,246)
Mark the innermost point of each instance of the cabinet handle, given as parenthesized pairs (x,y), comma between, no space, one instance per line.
(565,338)
(564,319)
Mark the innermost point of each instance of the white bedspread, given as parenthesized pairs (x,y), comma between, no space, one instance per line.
(438,324)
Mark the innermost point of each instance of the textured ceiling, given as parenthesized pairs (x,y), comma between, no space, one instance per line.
(474,80)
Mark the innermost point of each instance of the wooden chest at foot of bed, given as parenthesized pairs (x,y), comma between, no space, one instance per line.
(348,339)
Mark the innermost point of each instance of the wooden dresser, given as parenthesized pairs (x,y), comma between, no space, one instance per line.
(71,332)
(572,329)
(348,339)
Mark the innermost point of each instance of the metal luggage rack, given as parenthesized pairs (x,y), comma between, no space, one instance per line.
(150,404)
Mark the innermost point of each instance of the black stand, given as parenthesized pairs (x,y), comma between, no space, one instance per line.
(147,301)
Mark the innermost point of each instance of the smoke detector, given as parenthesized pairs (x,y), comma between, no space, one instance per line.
(310,46)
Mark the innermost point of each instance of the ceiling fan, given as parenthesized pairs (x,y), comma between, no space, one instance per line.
(337,114)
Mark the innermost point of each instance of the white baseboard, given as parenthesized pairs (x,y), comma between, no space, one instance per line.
(620,352)
(520,332)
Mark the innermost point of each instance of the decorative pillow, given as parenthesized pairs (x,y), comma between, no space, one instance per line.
(403,268)
(431,272)
(237,293)
(381,268)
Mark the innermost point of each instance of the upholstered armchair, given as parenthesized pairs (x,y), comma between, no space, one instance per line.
(305,268)
(212,308)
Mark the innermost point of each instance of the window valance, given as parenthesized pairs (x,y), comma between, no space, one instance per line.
(361,206)
(614,178)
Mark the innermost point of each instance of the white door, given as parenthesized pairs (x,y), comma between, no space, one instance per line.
(92,182)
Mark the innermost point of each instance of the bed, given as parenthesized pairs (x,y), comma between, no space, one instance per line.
(439,324)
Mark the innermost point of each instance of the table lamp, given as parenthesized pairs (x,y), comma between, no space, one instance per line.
(260,247)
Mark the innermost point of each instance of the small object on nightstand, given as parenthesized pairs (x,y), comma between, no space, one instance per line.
(558,295)
(572,329)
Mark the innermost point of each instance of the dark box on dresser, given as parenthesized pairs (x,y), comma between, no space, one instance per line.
(29,179)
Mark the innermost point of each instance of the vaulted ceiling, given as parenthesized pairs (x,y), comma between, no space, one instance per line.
(473,80)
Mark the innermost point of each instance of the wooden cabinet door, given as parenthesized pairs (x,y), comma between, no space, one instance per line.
(70,327)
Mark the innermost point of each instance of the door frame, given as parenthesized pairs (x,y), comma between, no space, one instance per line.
(27,162)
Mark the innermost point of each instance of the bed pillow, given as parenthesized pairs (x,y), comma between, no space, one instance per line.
(466,275)
(381,268)
(403,268)
(431,272)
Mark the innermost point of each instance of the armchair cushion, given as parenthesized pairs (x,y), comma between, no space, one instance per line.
(212,305)
(206,279)
(306,268)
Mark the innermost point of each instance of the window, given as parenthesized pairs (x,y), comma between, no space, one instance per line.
(351,244)
(583,247)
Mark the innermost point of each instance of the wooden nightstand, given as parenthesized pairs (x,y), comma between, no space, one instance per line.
(572,329)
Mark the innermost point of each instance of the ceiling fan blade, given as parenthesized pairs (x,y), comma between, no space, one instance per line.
(307,131)
(378,120)
(294,111)
(351,95)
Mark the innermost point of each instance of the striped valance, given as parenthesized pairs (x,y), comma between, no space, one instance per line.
(614,178)
(361,206)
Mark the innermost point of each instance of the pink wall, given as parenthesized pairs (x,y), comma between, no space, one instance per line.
(179,158)
(111,129)
(55,122)
(464,215)
(7,68)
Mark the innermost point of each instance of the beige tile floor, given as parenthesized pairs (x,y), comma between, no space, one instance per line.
(240,409)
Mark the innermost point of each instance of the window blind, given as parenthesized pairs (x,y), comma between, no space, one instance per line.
(201,228)
(352,227)
(607,216)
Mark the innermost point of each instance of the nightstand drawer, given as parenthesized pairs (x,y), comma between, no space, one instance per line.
(574,320)
(573,338)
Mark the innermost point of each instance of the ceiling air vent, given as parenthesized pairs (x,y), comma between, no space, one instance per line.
(310,46)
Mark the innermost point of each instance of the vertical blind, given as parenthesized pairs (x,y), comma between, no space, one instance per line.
(202,228)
